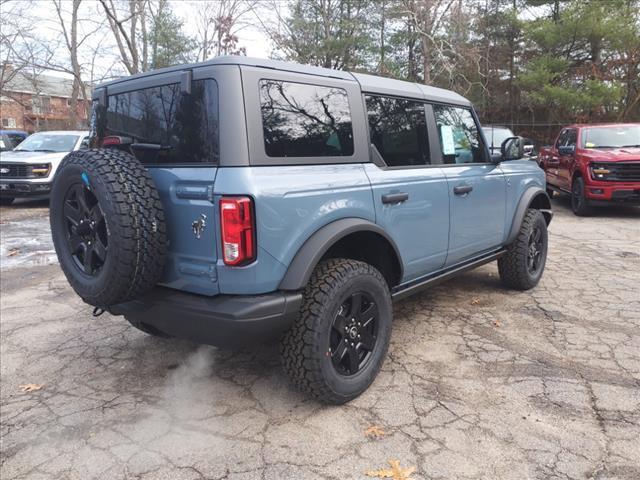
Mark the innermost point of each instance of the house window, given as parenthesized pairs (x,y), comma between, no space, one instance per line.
(9,122)
(41,104)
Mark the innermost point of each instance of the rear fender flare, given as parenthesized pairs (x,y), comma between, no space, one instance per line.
(314,248)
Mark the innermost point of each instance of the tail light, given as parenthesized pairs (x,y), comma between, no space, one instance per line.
(237,226)
(116,140)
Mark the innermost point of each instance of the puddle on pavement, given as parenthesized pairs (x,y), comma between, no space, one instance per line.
(25,243)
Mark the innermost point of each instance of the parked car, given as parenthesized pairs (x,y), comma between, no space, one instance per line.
(9,139)
(495,135)
(242,199)
(596,164)
(29,169)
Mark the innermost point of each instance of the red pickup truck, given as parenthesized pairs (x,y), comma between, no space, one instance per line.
(596,164)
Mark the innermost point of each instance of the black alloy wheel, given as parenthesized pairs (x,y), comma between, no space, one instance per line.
(579,203)
(336,347)
(353,334)
(535,250)
(86,229)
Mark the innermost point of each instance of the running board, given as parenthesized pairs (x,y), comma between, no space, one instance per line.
(415,286)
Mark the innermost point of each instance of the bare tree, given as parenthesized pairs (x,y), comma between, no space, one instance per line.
(426,17)
(73,39)
(218,25)
(130,30)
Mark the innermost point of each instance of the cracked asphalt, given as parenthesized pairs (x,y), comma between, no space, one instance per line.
(480,382)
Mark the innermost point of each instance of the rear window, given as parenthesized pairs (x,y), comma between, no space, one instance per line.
(167,126)
(302,120)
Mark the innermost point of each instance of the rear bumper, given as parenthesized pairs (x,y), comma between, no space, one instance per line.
(225,320)
(17,188)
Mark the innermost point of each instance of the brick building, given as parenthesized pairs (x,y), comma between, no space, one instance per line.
(38,102)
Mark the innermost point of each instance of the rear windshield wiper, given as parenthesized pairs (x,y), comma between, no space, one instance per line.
(630,146)
(44,150)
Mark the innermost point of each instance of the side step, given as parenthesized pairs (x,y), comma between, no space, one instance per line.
(419,284)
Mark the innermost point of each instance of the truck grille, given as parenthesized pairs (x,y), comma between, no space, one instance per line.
(15,170)
(619,171)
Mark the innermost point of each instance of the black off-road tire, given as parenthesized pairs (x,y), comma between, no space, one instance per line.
(6,201)
(579,202)
(305,347)
(129,203)
(513,266)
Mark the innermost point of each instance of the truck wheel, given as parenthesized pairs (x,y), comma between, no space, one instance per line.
(579,203)
(108,226)
(6,201)
(523,264)
(337,346)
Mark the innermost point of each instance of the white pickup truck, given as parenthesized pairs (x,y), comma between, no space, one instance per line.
(28,170)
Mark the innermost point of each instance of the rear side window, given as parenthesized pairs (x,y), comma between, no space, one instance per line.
(165,125)
(460,140)
(398,129)
(302,120)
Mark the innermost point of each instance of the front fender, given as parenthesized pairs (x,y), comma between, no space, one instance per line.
(533,197)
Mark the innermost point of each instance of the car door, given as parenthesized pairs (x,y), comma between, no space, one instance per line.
(476,186)
(552,166)
(565,160)
(410,194)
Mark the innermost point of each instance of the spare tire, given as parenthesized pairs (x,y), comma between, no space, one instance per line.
(108,226)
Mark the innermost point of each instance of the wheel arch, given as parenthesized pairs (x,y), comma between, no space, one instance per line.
(533,197)
(354,238)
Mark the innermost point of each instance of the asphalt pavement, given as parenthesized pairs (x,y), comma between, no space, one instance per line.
(480,382)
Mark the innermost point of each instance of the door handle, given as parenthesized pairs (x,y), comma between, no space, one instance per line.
(462,189)
(395,197)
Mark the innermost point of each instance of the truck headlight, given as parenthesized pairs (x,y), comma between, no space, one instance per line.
(599,171)
(41,170)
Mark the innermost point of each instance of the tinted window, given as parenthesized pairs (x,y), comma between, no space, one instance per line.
(166,125)
(459,138)
(300,120)
(572,137)
(15,138)
(562,138)
(398,130)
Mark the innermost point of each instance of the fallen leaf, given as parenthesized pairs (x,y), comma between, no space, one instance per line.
(396,472)
(13,252)
(496,323)
(30,387)
(374,432)
(475,301)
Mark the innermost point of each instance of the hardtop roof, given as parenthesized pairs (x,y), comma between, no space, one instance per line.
(368,83)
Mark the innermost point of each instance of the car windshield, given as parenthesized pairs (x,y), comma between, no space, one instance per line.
(616,136)
(495,136)
(43,142)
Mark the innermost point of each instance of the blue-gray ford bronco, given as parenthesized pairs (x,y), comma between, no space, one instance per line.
(241,200)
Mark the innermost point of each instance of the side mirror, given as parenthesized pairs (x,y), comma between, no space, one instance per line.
(512,148)
(567,150)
